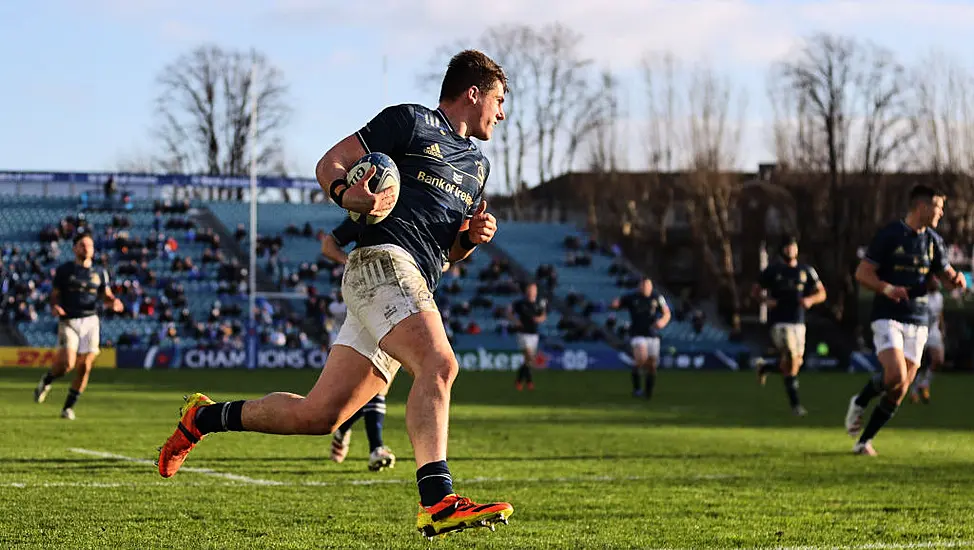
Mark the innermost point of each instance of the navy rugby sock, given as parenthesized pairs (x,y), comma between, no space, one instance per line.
(881,415)
(375,413)
(872,388)
(791,387)
(73,396)
(220,417)
(434,482)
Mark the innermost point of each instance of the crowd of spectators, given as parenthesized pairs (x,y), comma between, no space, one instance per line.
(149,274)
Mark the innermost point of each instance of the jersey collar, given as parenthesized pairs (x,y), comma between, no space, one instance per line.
(449,126)
(910,229)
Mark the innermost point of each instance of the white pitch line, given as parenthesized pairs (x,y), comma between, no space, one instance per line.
(343,483)
(204,471)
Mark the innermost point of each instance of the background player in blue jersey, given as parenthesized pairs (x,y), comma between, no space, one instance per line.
(79,286)
(789,288)
(374,412)
(648,314)
(900,259)
(388,286)
(526,314)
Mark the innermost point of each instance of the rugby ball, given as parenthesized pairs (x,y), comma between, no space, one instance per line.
(386,176)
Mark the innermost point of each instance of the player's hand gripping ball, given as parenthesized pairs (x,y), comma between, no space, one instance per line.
(374,181)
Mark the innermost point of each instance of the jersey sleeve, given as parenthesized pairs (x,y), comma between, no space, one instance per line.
(813,279)
(764,279)
(939,262)
(346,232)
(105,281)
(480,193)
(516,308)
(390,132)
(475,204)
(878,251)
(60,278)
(661,301)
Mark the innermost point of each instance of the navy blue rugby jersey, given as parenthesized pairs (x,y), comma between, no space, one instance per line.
(644,311)
(443,177)
(787,286)
(80,288)
(346,232)
(905,257)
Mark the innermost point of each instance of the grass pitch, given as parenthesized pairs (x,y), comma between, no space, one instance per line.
(713,461)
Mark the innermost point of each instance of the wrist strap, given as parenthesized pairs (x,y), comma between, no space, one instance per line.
(465,242)
(336,194)
(888,289)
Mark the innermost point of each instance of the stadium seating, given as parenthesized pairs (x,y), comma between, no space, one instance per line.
(274,219)
(534,244)
(528,244)
(22,218)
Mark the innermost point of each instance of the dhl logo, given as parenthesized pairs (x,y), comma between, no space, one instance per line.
(45,357)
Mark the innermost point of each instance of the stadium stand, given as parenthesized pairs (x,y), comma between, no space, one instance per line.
(587,276)
(182,284)
(177,282)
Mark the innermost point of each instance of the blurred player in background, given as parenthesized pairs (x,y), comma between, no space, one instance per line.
(648,315)
(388,285)
(899,261)
(789,288)
(934,351)
(374,412)
(526,314)
(78,287)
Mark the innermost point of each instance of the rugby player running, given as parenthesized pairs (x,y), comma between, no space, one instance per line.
(900,259)
(388,286)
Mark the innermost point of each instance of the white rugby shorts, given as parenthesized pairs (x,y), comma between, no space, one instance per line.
(382,286)
(81,335)
(903,336)
(528,343)
(789,338)
(649,343)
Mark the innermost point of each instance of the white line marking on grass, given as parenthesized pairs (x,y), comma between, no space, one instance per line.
(239,479)
(204,471)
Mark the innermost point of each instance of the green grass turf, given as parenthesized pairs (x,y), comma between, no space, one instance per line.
(713,462)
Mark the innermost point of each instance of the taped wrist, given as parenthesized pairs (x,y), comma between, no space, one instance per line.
(337,190)
(465,242)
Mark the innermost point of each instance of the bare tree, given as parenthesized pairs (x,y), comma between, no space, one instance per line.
(841,105)
(660,78)
(945,137)
(595,122)
(696,120)
(714,126)
(557,100)
(945,113)
(136,162)
(885,110)
(511,47)
(204,112)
